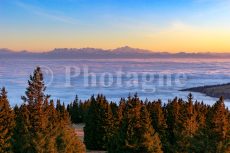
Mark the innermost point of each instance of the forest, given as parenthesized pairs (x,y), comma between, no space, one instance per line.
(41,125)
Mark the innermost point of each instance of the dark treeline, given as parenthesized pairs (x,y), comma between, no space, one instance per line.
(132,126)
(136,126)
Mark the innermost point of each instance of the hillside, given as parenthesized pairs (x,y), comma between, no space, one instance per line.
(213,90)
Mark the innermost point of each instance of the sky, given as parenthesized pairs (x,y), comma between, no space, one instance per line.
(158,25)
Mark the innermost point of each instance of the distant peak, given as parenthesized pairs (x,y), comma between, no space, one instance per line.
(5,50)
(128,49)
(125,47)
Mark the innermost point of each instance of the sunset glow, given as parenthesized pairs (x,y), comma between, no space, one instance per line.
(167,25)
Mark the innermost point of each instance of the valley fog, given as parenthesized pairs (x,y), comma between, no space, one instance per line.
(152,78)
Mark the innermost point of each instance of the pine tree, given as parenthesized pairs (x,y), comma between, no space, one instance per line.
(40,126)
(173,123)
(66,138)
(188,123)
(117,122)
(150,141)
(67,142)
(63,115)
(98,124)
(213,137)
(58,105)
(136,134)
(52,127)
(22,136)
(217,123)
(91,125)
(83,110)
(158,121)
(202,111)
(119,113)
(35,98)
(73,109)
(7,123)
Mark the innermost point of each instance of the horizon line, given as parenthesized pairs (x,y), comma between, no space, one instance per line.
(112,49)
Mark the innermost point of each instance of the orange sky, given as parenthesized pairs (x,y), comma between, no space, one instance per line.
(172,26)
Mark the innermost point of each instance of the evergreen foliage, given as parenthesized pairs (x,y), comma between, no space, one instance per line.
(40,127)
(98,125)
(7,123)
(136,134)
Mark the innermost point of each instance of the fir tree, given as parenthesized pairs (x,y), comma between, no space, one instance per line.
(98,124)
(217,124)
(150,141)
(67,142)
(213,137)
(52,127)
(83,110)
(22,135)
(136,134)
(158,121)
(73,109)
(7,123)
(173,123)
(40,126)
(188,125)
(35,98)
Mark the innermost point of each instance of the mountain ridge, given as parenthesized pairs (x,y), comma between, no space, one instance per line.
(122,52)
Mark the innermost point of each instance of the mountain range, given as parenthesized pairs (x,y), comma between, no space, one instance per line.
(94,53)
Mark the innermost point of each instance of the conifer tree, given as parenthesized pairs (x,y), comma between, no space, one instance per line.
(201,110)
(40,126)
(213,137)
(217,123)
(91,125)
(67,142)
(22,135)
(136,134)
(118,115)
(98,124)
(35,98)
(158,121)
(150,141)
(190,123)
(173,123)
(117,122)
(73,109)
(7,123)
(52,127)
(58,105)
(187,125)
(83,110)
